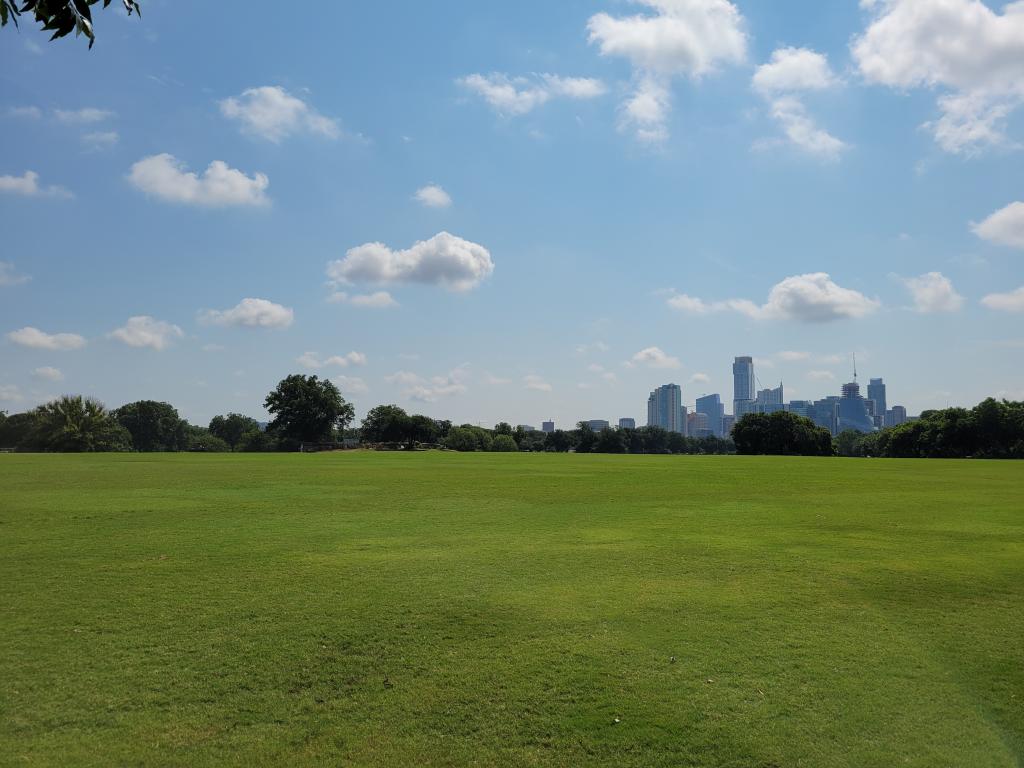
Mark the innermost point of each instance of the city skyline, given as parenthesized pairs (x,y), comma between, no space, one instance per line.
(549,219)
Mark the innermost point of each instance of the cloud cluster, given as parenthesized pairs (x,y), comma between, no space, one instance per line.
(444,259)
(10,276)
(515,96)
(251,313)
(1013,301)
(313,361)
(84,116)
(688,38)
(968,52)
(145,331)
(166,178)
(789,74)
(33,338)
(810,298)
(48,373)
(933,292)
(1005,226)
(271,113)
(424,390)
(433,196)
(27,185)
(654,357)
(375,300)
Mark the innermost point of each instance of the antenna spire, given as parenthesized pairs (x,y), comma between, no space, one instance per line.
(854,366)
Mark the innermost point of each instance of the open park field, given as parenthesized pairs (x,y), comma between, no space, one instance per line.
(497,609)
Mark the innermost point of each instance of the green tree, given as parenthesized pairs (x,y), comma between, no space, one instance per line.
(585,438)
(386,424)
(76,424)
(610,441)
(202,439)
(232,428)
(504,444)
(781,434)
(423,429)
(306,409)
(503,428)
(60,16)
(153,426)
(559,441)
(461,439)
(20,431)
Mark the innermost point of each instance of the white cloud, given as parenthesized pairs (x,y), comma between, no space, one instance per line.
(9,276)
(29,113)
(1006,302)
(28,185)
(688,38)
(145,331)
(496,381)
(791,356)
(165,177)
(425,390)
(251,313)
(312,360)
(33,338)
(654,357)
(1005,226)
(536,383)
(351,385)
(962,48)
(700,378)
(446,260)
(933,292)
(101,140)
(377,300)
(82,116)
(433,196)
(821,375)
(48,373)
(586,349)
(810,298)
(272,113)
(9,393)
(791,72)
(519,95)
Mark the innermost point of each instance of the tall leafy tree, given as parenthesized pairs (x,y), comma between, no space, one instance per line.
(307,409)
(154,426)
(386,424)
(74,424)
(61,17)
(232,428)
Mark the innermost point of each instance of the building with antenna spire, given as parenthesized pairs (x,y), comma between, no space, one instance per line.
(853,412)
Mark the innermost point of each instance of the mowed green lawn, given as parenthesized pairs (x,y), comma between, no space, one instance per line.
(444,609)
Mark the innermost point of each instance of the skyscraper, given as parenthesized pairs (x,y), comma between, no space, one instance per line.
(876,392)
(742,386)
(627,423)
(770,400)
(853,410)
(548,427)
(712,407)
(665,409)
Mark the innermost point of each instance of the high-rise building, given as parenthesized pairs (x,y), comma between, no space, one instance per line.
(627,423)
(801,408)
(728,422)
(895,416)
(770,400)
(876,395)
(697,425)
(598,424)
(742,386)
(853,410)
(713,408)
(665,409)
(825,413)
(547,427)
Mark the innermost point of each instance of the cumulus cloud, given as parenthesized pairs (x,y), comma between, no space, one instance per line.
(166,178)
(933,292)
(100,140)
(48,373)
(810,298)
(433,196)
(351,385)
(700,378)
(145,331)
(969,53)
(376,300)
(82,116)
(33,338)
(312,360)
(654,357)
(536,383)
(251,313)
(27,185)
(444,259)
(428,390)
(519,95)
(1005,226)
(790,73)
(1006,302)
(271,113)
(10,276)
(9,393)
(687,38)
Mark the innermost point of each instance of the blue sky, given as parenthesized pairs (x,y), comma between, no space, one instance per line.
(634,193)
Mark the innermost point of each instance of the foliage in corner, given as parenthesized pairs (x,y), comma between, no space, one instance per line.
(61,16)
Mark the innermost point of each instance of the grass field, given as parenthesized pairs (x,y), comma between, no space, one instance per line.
(443,609)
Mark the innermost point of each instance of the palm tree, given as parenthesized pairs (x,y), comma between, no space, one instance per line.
(73,423)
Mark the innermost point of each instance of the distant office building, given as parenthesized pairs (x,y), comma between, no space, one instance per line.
(526,428)
(876,397)
(743,386)
(627,423)
(712,407)
(801,408)
(697,425)
(770,400)
(853,410)
(598,424)
(728,422)
(825,413)
(665,409)
(547,427)
(895,416)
